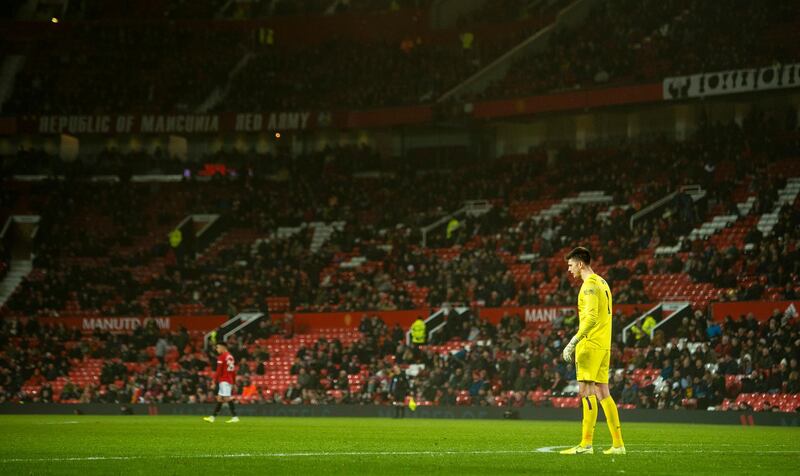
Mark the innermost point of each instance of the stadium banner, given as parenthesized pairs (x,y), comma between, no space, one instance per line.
(734,81)
(762,310)
(128,324)
(568,101)
(255,122)
(226,122)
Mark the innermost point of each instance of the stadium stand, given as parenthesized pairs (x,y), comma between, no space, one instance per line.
(618,43)
(483,364)
(351,268)
(630,41)
(339,229)
(500,365)
(161,70)
(177,65)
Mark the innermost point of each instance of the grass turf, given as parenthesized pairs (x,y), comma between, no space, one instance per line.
(257,445)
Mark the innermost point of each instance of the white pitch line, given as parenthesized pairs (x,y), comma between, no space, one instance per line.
(554,449)
(545,449)
(269,455)
(57,423)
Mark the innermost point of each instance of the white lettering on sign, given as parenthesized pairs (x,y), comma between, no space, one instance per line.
(778,76)
(117,324)
(182,123)
(288,120)
(74,124)
(249,122)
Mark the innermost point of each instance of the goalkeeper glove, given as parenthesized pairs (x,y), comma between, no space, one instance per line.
(570,349)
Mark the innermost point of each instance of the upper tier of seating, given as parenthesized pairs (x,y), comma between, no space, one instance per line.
(177,65)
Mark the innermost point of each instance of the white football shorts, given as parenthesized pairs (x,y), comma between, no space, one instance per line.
(224,389)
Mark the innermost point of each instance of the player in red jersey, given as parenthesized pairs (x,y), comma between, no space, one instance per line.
(225,377)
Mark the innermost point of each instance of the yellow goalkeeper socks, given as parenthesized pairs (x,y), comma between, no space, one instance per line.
(612,418)
(589,420)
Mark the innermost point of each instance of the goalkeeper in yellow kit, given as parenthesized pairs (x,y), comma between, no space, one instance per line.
(592,349)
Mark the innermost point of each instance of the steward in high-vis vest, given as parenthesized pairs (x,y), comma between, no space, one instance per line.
(638,334)
(418,334)
(649,325)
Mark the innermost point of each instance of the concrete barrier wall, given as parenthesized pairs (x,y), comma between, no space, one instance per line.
(375,411)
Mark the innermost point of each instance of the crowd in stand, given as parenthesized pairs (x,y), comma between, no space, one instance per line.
(206,9)
(504,364)
(325,7)
(645,41)
(177,69)
(356,74)
(509,10)
(5,260)
(165,68)
(128,231)
(346,74)
(514,361)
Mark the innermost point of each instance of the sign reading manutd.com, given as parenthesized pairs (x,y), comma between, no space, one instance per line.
(734,81)
(128,324)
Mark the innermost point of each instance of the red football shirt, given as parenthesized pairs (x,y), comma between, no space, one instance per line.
(226,368)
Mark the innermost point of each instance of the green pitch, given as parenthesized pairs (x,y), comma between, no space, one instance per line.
(87,445)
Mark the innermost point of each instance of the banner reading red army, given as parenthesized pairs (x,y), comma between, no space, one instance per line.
(77,124)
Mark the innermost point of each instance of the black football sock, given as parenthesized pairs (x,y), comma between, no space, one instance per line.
(217,408)
(232,409)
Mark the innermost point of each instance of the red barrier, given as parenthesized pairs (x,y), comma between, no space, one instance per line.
(128,324)
(287,121)
(395,116)
(762,310)
(569,101)
(306,321)
(533,315)
(537,315)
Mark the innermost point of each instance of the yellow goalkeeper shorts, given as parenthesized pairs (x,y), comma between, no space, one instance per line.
(592,364)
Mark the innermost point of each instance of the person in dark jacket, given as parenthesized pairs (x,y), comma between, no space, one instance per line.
(398,389)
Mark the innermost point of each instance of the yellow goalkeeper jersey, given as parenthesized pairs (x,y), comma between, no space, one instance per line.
(594,313)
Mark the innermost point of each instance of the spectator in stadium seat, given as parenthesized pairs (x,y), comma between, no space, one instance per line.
(793,384)
(630,393)
(666,369)
(69,391)
(765,360)
(645,401)
(161,348)
(398,390)
(293,395)
(449,396)
(713,331)
(288,326)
